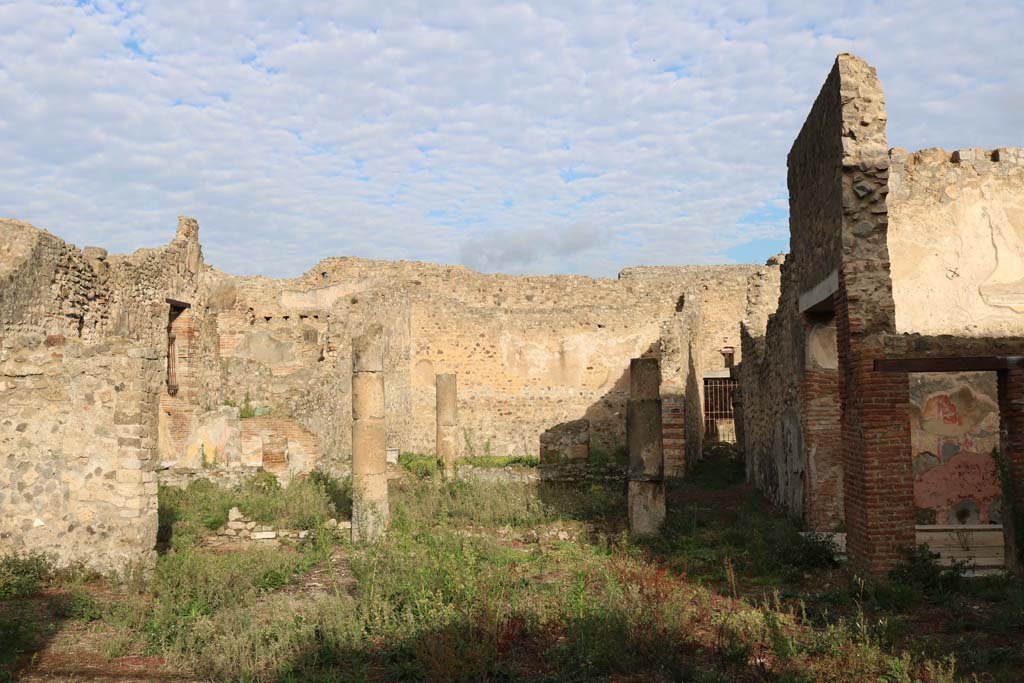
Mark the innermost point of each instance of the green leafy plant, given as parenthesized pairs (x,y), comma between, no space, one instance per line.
(420,465)
(23,575)
(76,604)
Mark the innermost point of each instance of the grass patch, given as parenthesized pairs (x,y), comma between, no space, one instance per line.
(419,465)
(721,467)
(185,515)
(458,591)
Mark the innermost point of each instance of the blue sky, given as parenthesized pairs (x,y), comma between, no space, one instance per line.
(545,137)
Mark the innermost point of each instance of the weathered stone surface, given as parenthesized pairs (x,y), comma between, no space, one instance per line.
(447,441)
(644,440)
(368,350)
(646,492)
(76,474)
(368,446)
(370,512)
(644,379)
(568,441)
(367,396)
(646,500)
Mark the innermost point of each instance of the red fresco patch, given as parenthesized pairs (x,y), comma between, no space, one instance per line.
(965,475)
(946,410)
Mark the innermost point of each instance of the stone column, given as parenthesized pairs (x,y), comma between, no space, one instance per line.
(447,445)
(369,437)
(646,452)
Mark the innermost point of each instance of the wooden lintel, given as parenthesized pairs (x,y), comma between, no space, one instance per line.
(179,304)
(949,364)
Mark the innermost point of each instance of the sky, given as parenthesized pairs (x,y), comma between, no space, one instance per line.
(544,137)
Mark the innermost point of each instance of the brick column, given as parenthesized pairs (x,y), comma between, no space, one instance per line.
(673,430)
(878,483)
(820,424)
(1011,448)
(823,473)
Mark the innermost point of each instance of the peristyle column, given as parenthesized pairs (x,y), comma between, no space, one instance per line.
(369,438)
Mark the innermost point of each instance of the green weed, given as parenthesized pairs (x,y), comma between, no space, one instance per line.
(23,575)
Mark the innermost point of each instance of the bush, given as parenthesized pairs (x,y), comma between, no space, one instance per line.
(77,604)
(23,576)
(419,464)
(19,633)
(920,569)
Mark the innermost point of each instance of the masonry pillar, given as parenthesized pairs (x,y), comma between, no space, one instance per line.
(447,444)
(369,436)
(646,453)
(820,423)
(1011,450)
(878,480)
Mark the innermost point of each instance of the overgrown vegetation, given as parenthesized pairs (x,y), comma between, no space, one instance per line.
(188,514)
(420,465)
(502,582)
(499,461)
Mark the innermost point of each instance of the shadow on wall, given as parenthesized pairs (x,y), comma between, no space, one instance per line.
(590,483)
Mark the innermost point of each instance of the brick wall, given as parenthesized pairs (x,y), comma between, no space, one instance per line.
(1011,430)
(838,182)
(820,421)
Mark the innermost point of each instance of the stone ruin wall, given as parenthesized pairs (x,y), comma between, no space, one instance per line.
(88,420)
(769,390)
(81,369)
(791,358)
(529,352)
(955,240)
(77,436)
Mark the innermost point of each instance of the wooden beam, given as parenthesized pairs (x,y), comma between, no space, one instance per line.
(179,304)
(949,364)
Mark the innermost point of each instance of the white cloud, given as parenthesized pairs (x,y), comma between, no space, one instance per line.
(543,137)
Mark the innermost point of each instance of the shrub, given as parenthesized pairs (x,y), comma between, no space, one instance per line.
(23,576)
(19,634)
(419,464)
(76,604)
(920,569)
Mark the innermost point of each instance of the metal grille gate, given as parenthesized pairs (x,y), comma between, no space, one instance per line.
(719,420)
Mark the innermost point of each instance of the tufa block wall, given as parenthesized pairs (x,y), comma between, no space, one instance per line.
(82,366)
(530,352)
(78,438)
